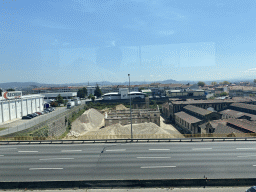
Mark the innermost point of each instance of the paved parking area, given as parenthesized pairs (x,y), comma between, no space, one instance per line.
(20,124)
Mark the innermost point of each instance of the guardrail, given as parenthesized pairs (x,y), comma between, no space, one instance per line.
(206,139)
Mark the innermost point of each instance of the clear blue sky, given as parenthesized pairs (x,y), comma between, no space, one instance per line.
(72,41)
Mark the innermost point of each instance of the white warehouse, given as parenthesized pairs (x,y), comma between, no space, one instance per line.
(123,94)
(14,107)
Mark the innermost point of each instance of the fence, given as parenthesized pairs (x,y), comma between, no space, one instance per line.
(140,137)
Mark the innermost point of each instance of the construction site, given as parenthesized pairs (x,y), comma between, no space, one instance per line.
(116,124)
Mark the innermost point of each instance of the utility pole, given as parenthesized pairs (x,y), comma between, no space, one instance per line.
(130,107)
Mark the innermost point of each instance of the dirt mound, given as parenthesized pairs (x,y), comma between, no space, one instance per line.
(138,129)
(121,107)
(90,120)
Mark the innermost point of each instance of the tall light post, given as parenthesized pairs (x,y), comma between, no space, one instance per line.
(130,106)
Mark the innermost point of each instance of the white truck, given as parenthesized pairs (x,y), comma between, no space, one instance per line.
(70,104)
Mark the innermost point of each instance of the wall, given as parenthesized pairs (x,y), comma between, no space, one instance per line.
(15,109)
(138,116)
(127,120)
(58,127)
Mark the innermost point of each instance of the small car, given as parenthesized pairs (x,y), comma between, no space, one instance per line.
(252,189)
(35,114)
(30,115)
(26,117)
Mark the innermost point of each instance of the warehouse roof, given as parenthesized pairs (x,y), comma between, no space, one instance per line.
(186,117)
(237,114)
(244,106)
(197,110)
(191,101)
(244,125)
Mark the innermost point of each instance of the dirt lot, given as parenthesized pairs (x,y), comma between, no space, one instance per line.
(91,125)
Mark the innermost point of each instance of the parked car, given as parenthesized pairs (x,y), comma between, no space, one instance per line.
(35,114)
(30,115)
(46,111)
(39,113)
(26,117)
(251,189)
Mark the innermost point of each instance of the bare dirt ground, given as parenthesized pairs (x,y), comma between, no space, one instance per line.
(90,125)
(170,129)
(90,120)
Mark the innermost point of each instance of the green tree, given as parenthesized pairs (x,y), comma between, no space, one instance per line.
(10,89)
(82,93)
(97,92)
(93,98)
(214,83)
(201,83)
(224,94)
(65,102)
(225,83)
(54,104)
(60,99)
(1,92)
(90,96)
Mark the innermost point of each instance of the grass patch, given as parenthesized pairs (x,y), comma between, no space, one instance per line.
(42,132)
(1,129)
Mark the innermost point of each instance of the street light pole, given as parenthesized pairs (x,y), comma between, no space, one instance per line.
(130,106)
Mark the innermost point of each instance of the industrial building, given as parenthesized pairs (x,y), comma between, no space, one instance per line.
(48,97)
(138,116)
(123,94)
(15,105)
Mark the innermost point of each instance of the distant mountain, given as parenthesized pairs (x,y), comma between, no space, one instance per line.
(169,81)
(18,85)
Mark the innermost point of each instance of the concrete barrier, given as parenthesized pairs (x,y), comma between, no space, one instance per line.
(129,183)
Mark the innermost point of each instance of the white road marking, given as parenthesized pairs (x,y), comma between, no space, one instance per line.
(3,149)
(55,159)
(154,167)
(245,148)
(153,157)
(44,168)
(201,148)
(70,150)
(247,156)
(117,150)
(159,149)
(27,151)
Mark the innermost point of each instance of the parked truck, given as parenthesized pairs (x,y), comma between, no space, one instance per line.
(70,104)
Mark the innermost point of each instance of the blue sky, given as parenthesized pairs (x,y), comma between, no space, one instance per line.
(73,41)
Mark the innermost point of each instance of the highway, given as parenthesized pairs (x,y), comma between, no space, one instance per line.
(69,162)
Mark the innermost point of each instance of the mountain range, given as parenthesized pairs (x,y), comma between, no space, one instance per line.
(169,81)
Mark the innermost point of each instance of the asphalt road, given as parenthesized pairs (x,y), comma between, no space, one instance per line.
(128,161)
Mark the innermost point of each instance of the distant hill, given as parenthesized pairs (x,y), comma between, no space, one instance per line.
(18,84)
(169,81)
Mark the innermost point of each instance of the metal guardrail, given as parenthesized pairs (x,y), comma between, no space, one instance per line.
(206,139)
